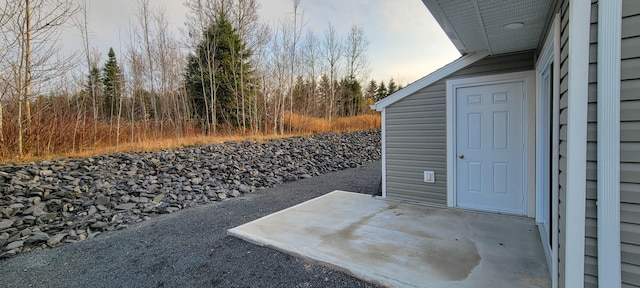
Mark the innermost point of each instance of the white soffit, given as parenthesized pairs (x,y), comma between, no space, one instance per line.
(476,25)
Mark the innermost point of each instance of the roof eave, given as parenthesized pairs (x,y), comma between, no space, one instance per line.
(443,21)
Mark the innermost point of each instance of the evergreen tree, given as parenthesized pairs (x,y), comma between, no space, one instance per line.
(111,82)
(310,92)
(218,75)
(93,85)
(299,97)
(392,87)
(371,91)
(93,80)
(324,90)
(382,91)
(351,92)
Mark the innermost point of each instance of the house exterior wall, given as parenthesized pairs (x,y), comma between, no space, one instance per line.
(416,133)
(591,249)
(562,151)
(630,143)
(629,147)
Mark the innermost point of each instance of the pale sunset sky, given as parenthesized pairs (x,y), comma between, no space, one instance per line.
(405,42)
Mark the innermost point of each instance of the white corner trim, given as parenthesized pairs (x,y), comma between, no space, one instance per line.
(384,153)
(609,46)
(528,80)
(578,86)
(437,75)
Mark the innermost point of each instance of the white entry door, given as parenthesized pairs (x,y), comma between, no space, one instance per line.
(489,147)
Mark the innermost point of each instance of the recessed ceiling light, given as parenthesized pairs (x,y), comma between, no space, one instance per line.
(514,26)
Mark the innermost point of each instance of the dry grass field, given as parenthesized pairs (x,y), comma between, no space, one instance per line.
(57,139)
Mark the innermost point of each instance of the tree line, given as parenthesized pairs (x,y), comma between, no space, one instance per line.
(229,73)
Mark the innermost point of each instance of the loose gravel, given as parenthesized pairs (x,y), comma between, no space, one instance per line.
(50,203)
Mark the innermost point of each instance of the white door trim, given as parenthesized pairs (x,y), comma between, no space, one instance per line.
(550,54)
(528,80)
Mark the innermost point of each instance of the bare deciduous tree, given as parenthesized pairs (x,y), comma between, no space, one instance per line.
(82,23)
(35,29)
(356,45)
(144,18)
(331,51)
(310,65)
(293,53)
(7,12)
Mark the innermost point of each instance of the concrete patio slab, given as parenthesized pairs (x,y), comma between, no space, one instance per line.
(405,245)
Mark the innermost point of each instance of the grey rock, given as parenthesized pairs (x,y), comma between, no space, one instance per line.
(25,232)
(244,188)
(171,209)
(46,173)
(16,206)
(4,224)
(125,198)
(14,245)
(92,210)
(99,225)
(234,193)
(28,219)
(125,206)
(158,198)
(88,203)
(108,192)
(102,200)
(38,210)
(56,239)
(48,216)
(143,200)
(30,210)
(38,237)
(35,200)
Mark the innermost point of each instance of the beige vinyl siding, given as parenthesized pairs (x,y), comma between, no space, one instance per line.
(416,139)
(562,151)
(630,144)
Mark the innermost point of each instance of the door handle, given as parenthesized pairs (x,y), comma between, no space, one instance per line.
(461,156)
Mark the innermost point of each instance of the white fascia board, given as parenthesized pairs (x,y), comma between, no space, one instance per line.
(578,90)
(609,46)
(439,74)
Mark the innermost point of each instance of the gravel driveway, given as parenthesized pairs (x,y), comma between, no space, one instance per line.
(190,248)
